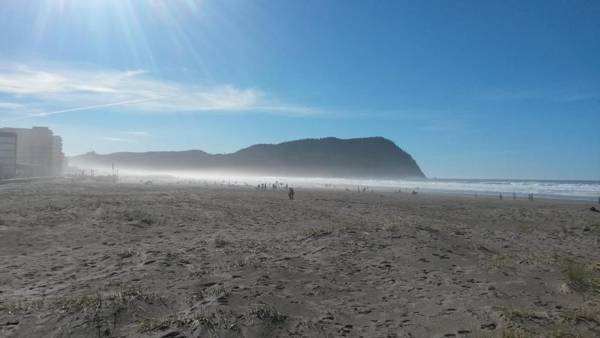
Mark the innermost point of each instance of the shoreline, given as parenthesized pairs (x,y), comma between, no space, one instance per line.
(304,183)
(565,190)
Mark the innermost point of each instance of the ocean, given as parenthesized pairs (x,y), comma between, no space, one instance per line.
(576,190)
(553,189)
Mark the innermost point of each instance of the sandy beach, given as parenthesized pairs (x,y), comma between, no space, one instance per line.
(132,260)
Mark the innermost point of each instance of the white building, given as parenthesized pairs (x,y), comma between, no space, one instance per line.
(39,152)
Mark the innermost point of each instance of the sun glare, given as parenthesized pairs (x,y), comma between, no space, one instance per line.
(101,20)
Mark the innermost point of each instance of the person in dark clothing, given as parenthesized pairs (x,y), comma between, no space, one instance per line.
(291,193)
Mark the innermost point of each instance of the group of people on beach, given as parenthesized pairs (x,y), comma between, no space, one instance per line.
(277,185)
(274,186)
(514,196)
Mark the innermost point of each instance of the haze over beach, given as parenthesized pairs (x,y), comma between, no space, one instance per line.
(255,168)
(376,163)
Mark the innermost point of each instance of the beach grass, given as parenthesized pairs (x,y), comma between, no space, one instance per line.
(268,313)
(581,277)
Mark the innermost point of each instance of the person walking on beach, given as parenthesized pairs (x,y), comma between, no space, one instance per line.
(291,193)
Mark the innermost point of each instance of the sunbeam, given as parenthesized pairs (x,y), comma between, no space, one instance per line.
(102,21)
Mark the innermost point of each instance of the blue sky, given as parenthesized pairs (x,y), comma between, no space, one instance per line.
(472,89)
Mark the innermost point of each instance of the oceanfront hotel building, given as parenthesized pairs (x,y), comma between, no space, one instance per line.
(34,152)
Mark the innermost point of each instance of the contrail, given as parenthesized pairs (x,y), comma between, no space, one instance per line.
(56,112)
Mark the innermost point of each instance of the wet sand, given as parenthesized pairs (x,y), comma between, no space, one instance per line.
(129,260)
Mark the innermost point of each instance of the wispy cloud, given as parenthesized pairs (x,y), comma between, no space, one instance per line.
(136,133)
(33,90)
(10,106)
(62,111)
(117,139)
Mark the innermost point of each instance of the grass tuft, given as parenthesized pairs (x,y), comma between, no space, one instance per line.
(85,303)
(267,313)
(149,325)
(564,326)
(217,291)
(22,307)
(586,313)
(525,315)
(318,232)
(126,296)
(501,261)
(581,277)
(517,332)
(81,303)
(195,320)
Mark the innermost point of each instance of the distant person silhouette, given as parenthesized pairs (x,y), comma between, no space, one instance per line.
(291,193)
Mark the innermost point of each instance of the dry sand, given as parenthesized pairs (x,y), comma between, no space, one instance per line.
(102,260)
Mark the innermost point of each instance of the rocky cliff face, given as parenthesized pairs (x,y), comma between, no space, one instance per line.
(374,157)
